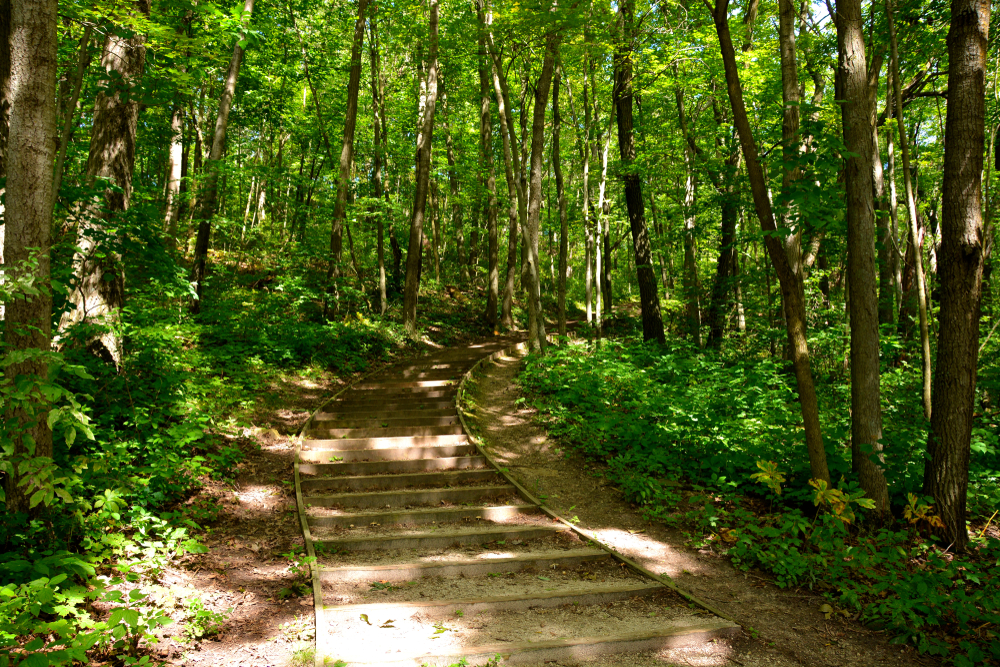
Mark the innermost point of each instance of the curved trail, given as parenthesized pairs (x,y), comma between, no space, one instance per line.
(426,553)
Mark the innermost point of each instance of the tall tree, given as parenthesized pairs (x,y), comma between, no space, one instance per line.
(28,222)
(379,129)
(99,283)
(486,165)
(536,321)
(208,195)
(866,406)
(652,321)
(347,143)
(423,171)
(911,211)
(791,291)
(960,267)
(561,202)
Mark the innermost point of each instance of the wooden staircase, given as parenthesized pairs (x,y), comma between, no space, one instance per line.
(427,554)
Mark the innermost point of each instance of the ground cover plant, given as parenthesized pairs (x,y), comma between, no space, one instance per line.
(711,443)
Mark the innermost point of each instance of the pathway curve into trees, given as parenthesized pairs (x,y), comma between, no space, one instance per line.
(428,554)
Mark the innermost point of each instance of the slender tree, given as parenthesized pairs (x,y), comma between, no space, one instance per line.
(652,321)
(423,172)
(208,195)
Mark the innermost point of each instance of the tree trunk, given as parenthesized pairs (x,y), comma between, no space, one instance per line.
(790,288)
(536,320)
(866,407)
(99,283)
(378,158)
(422,185)
(209,192)
(652,321)
(561,197)
(29,154)
(961,268)
(173,203)
(486,164)
(911,208)
(690,279)
(453,188)
(347,144)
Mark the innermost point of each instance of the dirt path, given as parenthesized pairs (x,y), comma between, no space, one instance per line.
(782,627)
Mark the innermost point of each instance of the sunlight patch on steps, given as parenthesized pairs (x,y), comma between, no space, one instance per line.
(653,554)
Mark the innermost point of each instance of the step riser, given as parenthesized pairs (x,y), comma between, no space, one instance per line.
(443,420)
(446,608)
(395,385)
(438,541)
(398,395)
(384,431)
(402,481)
(477,569)
(391,467)
(347,444)
(396,454)
(562,651)
(377,409)
(401,499)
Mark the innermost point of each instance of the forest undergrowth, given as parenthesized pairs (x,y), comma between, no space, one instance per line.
(711,442)
(134,444)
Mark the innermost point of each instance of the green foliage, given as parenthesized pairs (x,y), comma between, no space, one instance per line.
(202,622)
(693,437)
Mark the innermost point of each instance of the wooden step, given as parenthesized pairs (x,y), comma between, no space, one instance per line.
(383,431)
(372,409)
(413,497)
(390,454)
(400,481)
(393,467)
(468,567)
(449,418)
(439,539)
(568,651)
(472,606)
(345,444)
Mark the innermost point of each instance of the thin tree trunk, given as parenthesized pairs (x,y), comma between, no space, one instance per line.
(961,268)
(790,289)
(866,407)
(422,185)
(536,320)
(911,208)
(378,158)
(347,144)
(486,163)
(690,279)
(209,193)
(453,188)
(561,197)
(29,154)
(652,320)
(173,203)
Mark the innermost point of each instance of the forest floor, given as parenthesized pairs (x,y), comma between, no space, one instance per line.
(782,627)
(248,574)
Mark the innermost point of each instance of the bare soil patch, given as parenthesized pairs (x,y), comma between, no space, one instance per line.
(782,627)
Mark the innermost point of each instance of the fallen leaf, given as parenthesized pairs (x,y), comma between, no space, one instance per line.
(826,610)
(364,617)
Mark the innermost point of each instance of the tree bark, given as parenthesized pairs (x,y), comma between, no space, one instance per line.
(961,268)
(347,144)
(99,281)
(486,164)
(173,204)
(209,192)
(790,289)
(866,407)
(690,278)
(652,320)
(911,208)
(423,170)
(378,158)
(536,320)
(30,152)
(561,198)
